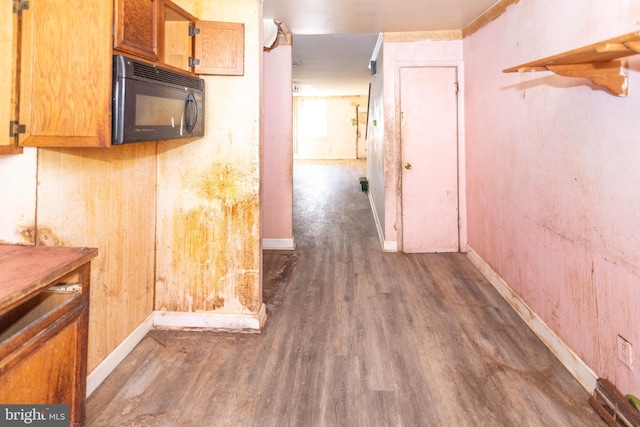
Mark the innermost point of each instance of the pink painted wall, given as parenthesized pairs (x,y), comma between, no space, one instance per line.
(553,166)
(277,152)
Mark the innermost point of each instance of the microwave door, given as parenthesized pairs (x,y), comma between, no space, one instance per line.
(155,113)
(152,103)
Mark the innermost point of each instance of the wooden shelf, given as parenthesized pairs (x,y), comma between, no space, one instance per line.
(600,62)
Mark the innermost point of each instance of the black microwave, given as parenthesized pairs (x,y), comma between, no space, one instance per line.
(153,103)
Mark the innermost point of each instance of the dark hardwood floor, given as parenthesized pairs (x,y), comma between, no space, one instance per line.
(354,337)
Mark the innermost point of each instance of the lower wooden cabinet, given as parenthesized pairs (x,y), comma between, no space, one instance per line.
(43,326)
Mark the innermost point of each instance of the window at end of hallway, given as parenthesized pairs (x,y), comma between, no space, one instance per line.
(313,120)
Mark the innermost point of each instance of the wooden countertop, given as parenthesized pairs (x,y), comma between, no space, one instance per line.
(26,270)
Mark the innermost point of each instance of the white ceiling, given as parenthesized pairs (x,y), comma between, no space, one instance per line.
(334,39)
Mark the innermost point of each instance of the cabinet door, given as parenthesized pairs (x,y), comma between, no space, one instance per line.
(136,26)
(9,28)
(49,372)
(176,42)
(220,48)
(65,73)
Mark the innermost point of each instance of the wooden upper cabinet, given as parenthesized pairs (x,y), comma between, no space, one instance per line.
(57,83)
(176,36)
(219,46)
(201,47)
(65,75)
(9,35)
(136,26)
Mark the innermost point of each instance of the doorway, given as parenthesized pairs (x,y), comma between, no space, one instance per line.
(429,153)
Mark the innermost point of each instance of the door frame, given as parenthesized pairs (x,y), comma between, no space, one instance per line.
(462,187)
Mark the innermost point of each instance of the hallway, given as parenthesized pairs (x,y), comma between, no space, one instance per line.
(354,337)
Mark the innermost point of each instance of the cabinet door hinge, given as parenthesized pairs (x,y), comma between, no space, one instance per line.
(193,30)
(16,128)
(457,88)
(20,5)
(193,62)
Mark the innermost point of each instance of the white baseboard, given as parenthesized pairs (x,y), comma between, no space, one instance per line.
(278,244)
(210,320)
(102,371)
(565,355)
(386,245)
(390,246)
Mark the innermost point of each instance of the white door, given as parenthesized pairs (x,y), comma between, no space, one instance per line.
(429,138)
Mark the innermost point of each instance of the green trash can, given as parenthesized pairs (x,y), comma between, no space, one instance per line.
(364,184)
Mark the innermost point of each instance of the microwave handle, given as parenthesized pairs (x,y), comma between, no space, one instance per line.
(191,109)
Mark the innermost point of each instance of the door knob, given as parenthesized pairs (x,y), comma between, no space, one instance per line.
(407,166)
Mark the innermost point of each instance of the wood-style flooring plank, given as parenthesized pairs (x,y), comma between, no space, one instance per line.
(354,337)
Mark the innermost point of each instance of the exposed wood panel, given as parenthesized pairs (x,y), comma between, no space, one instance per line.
(104,199)
(354,337)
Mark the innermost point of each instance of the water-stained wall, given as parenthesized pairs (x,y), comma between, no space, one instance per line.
(18,197)
(208,256)
(553,166)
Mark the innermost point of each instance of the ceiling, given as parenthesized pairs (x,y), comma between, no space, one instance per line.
(334,39)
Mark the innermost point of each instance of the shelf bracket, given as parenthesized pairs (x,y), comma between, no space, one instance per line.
(633,45)
(612,75)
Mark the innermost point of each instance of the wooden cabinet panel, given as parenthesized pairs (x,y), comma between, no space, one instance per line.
(65,76)
(136,27)
(44,309)
(47,374)
(220,48)
(9,31)
(176,43)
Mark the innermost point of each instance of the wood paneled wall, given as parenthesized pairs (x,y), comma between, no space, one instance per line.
(104,199)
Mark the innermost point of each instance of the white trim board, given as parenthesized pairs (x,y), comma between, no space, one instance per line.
(102,371)
(386,245)
(278,244)
(565,355)
(210,320)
